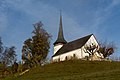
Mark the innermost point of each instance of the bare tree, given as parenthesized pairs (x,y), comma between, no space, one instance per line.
(107,49)
(91,49)
(103,49)
(7,55)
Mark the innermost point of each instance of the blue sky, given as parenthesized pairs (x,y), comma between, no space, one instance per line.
(80,18)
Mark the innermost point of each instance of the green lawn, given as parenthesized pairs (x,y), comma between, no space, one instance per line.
(74,70)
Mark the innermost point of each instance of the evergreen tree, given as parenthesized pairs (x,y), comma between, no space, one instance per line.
(35,49)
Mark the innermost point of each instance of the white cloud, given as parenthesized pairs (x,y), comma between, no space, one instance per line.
(113,3)
(102,15)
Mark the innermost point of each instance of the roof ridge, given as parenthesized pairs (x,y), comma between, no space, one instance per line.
(80,38)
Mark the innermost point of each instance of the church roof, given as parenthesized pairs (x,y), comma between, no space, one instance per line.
(60,38)
(72,45)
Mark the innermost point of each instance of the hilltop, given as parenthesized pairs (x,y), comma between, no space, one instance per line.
(74,70)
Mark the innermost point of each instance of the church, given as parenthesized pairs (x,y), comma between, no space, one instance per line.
(64,50)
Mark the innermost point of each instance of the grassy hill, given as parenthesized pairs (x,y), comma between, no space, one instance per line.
(74,70)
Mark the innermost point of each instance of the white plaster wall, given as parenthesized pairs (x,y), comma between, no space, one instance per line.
(92,40)
(69,55)
(57,47)
(83,53)
(55,59)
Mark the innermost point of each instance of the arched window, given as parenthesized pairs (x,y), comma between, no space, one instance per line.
(58,59)
(74,55)
(66,58)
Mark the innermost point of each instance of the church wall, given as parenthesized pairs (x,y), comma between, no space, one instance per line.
(57,47)
(70,55)
(92,40)
(83,53)
(79,53)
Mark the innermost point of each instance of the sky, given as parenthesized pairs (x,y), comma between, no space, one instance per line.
(79,17)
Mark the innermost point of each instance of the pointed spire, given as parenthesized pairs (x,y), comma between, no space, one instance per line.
(60,38)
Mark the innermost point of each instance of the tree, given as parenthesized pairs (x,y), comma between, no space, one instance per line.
(27,53)
(15,67)
(104,49)
(7,55)
(20,66)
(35,49)
(7,58)
(1,45)
(1,49)
(107,49)
(91,49)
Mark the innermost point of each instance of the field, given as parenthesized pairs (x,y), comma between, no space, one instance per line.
(73,70)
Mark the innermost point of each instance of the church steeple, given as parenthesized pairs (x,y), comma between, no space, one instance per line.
(60,38)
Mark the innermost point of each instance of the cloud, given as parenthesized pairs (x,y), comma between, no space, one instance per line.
(113,4)
(102,15)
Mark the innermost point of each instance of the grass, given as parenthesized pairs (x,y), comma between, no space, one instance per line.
(74,70)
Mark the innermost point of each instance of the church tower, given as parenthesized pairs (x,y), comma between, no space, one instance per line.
(60,40)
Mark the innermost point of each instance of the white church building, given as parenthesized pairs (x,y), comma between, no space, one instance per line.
(64,50)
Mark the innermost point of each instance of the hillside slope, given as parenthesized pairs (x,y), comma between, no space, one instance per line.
(74,70)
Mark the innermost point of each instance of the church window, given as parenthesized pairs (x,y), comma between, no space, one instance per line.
(66,58)
(58,59)
(74,55)
(92,44)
